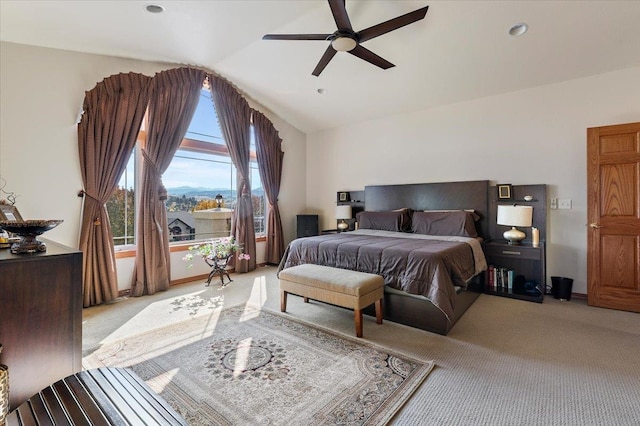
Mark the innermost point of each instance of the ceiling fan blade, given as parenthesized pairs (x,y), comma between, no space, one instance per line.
(339,11)
(371,57)
(328,55)
(295,36)
(392,24)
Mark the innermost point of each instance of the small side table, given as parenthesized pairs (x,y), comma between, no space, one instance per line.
(218,267)
(524,259)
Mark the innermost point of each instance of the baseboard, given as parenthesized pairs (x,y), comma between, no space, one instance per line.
(579,296)
(190,279)
(127,292)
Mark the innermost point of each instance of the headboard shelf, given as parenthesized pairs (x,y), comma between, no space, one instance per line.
(355,199)
(539,204)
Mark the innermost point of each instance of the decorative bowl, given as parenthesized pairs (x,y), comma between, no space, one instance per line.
(29,230)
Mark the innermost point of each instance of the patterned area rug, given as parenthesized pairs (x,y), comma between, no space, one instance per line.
(247,366)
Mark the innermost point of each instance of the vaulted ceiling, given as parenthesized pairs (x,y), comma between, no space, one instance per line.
(460,51)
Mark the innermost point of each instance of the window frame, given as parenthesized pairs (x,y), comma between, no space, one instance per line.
(129,250)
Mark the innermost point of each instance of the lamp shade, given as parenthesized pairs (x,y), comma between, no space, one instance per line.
(515,215)
(343,212)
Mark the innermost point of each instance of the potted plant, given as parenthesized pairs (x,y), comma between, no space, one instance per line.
(216,253)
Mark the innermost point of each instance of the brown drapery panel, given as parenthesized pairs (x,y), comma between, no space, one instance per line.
(234,116)
(107,132)
(173,101)
(270,155)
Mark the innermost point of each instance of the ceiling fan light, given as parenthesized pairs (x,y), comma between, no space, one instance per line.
(343,44)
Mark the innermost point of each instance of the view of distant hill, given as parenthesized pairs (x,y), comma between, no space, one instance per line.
(201,192)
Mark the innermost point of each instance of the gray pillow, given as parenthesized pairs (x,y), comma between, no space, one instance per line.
(445,223)
(398,221)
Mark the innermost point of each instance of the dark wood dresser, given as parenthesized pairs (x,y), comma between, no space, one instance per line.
(40,318)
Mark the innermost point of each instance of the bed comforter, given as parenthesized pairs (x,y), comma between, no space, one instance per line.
(417,264)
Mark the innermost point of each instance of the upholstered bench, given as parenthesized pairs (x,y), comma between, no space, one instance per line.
(341,287)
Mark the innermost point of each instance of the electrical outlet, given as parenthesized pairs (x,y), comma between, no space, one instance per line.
(564,203)
(554,204)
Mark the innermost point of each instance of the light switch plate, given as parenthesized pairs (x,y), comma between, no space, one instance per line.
(564,203)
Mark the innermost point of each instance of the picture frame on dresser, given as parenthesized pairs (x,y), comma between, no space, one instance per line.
(10,213)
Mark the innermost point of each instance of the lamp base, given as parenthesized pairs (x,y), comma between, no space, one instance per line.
(343,226)
(514,236)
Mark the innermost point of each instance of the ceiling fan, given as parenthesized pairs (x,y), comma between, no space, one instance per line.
(345,39)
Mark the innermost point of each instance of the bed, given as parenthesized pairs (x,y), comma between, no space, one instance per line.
(423,239)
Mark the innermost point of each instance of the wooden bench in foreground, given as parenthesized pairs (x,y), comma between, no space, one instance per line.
(103,396)
(341,287)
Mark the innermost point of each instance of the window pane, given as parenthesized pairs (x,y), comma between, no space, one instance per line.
(121,207)
(200,170)
(204,124)
(258,200)
(193,181)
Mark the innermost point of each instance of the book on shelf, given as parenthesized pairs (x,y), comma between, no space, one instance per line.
(492,279)
(500,279)
(510,280)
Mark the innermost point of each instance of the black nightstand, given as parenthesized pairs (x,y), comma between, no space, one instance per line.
(528,267)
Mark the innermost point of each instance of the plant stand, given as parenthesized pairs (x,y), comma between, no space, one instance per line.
(218,267)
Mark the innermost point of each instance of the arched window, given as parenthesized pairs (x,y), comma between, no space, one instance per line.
(200,170)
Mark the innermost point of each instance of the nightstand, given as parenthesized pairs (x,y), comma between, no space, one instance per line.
(520,270)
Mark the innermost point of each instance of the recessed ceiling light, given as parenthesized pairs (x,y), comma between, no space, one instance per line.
(518,29)
(321,91)
(154,8)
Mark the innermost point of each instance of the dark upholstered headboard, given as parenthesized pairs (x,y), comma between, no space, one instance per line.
(433,196)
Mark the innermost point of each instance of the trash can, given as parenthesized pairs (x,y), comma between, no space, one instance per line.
(561,288)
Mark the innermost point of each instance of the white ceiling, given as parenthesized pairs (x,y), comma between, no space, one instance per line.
(460,51)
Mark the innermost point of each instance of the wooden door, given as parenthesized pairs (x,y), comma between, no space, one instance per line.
(613,185)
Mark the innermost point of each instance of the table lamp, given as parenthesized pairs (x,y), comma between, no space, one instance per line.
(343,212)
(515,216)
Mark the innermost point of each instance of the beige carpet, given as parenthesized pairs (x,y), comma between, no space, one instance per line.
(506,362)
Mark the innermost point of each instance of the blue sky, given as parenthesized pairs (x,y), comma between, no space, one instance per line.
(194,170)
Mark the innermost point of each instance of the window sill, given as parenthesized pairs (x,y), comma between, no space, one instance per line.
(175,247)
(124,253)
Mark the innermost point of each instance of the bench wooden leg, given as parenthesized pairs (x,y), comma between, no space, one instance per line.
(283,301)
(305,299)
(379,311)
(358,318)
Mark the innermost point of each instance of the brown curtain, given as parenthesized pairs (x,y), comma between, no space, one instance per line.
(270,155)
(107,132)
(173,101)
(234,116)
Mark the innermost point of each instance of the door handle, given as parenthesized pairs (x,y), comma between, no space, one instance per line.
(595,226)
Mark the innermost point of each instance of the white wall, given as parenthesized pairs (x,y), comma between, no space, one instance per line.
(534,136)
(41,92)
